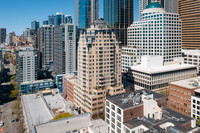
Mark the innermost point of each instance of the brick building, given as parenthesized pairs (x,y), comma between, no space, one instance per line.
(180,93)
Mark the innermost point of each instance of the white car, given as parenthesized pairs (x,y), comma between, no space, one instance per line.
(1,123)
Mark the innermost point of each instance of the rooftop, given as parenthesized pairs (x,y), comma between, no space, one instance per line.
(35,109)
(75,123)
(191,51)
(162,69)
(191,83)
(37,81)
(117,99)
(169,116)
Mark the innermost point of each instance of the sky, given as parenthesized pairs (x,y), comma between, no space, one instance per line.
(16,15)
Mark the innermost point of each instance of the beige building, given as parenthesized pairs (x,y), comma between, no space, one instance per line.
(99,68)
(189,14)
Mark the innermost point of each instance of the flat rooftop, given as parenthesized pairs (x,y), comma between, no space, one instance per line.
(188,83)
(154,125)
(191,51)
(36,110)
(117,99)
(162,69)
(64,125)
(37,81)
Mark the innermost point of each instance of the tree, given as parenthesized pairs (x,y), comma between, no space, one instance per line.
(14,93)
(13,77)
(198,120)
(6,55)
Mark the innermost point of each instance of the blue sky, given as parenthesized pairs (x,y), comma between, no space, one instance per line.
(16,15)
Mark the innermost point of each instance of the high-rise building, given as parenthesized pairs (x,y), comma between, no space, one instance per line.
(58,19)
(27,60)
(86,12)
(9,38)
(65,42)
(119,14)
(46,41)
(26,34)
(99,68)
(68,19)
(51,19)
(2,35)
(45,22)
(157,34)
(168,5)
(189,14)
(35,25)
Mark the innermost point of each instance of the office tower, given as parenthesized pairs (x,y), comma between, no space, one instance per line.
(46,42)
(86,12)
(157,34)
(35,25)
(168,5)
(119,14)
(2,35)
(9,38)
(1,59)
(189,14)
(45,22)
(27,33)
(68,19)
(58,19)
(99,68)
(65,42)
(27,60)
(51,19)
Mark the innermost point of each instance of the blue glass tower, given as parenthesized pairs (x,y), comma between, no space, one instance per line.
(35,25)
(58,19)
(68,19)
(51,19)
(45,22)
(86,12)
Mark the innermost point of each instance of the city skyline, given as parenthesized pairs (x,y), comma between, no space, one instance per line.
(26,12)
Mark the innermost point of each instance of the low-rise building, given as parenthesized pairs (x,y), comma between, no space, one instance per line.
(68,86)
(195,104)
(152,74)
(192,57)
(40,109)
(31,87)
(180,93)
(76,124)
(144,111)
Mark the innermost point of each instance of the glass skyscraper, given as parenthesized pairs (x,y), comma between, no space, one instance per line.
(86,12)
(51,19)
(58,19)
(119,14)
(68,19)
(35,25)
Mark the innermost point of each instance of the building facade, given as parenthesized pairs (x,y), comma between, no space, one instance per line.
(157,34)
(195,104)
(120,15)
(58,19)
(99,68)
(86,12)
(65,43)
(68,19)
(192,57)
(2,35)
(51,19)
(180,93)
(35,86)
(59,82)
(46,46)
(27,61)
(35,25)
(190,23)
(130,57)
(153,75)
